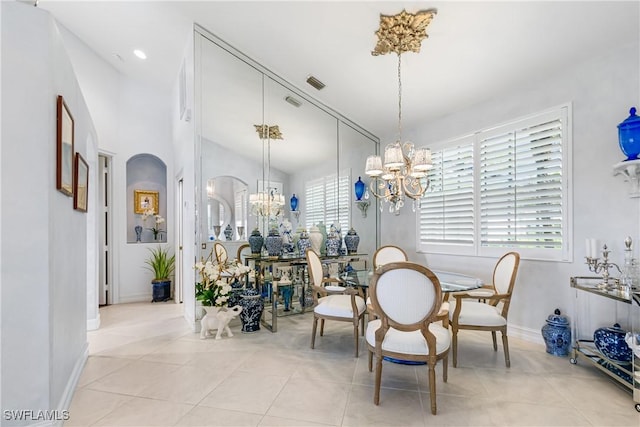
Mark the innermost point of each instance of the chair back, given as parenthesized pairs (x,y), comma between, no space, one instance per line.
(387,254)
(221,253)
(243,251)
(504,277)
(405,294)
(315,270)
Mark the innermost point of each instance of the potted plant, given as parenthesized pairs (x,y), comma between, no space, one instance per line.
(162,266)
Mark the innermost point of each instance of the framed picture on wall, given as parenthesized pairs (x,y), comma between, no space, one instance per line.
(144,200)
(81,184)
(64,148)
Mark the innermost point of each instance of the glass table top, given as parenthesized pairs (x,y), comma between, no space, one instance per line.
(449,281)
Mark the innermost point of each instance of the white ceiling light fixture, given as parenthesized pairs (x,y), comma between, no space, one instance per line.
(404,170)
(140,54)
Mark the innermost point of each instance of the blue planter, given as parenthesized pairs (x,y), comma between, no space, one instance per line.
(161,290)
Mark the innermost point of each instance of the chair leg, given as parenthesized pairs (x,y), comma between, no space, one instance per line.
(376,394)
(445,368)
(321,327)
(454,345)
(362,324)
(495,343)
(432,386)
(313,332)
(355,335)
(505,344)
(370,360)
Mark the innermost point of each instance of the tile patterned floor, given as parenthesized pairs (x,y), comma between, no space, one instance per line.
(147,368)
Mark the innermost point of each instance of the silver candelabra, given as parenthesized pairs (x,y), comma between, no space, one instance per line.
(597,266)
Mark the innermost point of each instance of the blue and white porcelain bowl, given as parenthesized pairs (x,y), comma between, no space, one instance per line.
(611,343)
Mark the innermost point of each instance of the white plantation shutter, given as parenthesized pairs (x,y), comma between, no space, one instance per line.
(447,210)
(500,189)
(327,200)
(521,185)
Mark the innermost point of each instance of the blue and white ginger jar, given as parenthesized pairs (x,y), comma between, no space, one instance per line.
(611,343)
(252,307)
(256,241)
(351,241)
(557,334)
(273,243)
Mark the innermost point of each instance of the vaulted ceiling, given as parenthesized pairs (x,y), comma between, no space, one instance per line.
(475,51)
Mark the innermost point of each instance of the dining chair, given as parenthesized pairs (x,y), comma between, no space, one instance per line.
(244,250)
(221,253)
(390,253)
(348,306)
(406,296)
(469,313)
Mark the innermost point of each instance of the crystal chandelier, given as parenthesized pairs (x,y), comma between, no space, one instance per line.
(404,170)
(267,202)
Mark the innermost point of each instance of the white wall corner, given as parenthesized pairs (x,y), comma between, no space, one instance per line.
(525,334)
(93,324)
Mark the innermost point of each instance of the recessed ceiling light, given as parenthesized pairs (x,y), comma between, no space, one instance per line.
(140,54)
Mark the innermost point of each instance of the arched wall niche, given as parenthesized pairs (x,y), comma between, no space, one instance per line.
(146,176)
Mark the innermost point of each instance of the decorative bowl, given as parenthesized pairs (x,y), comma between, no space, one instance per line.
(611,343)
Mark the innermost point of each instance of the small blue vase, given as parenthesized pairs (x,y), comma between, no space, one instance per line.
(293,203)
(629,135)
(273,243)
(359,188)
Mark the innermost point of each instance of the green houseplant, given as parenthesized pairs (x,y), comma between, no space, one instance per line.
(162,266)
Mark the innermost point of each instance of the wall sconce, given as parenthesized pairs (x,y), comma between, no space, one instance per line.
(362,191)
(293,204)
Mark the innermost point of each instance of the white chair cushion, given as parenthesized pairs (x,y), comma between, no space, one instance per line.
(478,314)
(335,288)
(409,342)
(338,306)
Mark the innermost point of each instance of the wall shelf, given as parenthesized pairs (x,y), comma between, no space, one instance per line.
(630,170)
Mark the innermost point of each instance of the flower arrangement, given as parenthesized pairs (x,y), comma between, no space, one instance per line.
(157,219)
(214,285)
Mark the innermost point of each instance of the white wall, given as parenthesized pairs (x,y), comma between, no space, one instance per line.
(44,240)
(132,117)
(601,92)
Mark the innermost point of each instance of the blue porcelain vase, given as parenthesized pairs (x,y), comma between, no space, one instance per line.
(252,308)
(273,243)
(293,203)
(629,135)
(359,188)
(256,241)
(333,244)
(610,342)
(557,334)
(351,241)
(304,242)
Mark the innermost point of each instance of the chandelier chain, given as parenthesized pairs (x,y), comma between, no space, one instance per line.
(399,99)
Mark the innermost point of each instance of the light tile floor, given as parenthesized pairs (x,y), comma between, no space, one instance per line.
(147,368)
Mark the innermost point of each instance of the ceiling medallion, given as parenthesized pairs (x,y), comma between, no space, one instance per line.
(268,132)
(402,32)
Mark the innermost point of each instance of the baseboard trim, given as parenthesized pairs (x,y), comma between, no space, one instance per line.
(67,394)
(93,324)
(525,334)
(135,298)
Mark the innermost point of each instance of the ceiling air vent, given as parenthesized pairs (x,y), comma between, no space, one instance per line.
(291,100)
(315,82)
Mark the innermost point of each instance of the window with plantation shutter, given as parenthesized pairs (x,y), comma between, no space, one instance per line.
(501,189)
(327,200)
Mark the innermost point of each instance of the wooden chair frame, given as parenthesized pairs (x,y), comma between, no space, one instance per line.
(493,300)
(319,291)
(423,326)
(220,252)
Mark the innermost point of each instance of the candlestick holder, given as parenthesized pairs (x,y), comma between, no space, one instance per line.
(597,266)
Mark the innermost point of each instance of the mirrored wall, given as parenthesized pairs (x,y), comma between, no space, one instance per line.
(257,133)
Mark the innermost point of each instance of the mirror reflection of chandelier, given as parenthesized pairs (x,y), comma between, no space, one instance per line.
(404,170)
(266,202)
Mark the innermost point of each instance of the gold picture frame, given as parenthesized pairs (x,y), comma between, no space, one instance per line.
(64,148)
(81,184)
(145,199)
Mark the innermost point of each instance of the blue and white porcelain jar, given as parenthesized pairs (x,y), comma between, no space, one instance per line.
(351,241)
(273,243)
(228,232)
(333,244)
(610,342)
(252,308)
(304,242)
(557,334)
(256,241)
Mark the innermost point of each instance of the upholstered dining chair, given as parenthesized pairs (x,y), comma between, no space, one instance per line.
(406,296)
(244,250)
(348,306)
(390,253)
(386,254)
(468,313)
(221,253)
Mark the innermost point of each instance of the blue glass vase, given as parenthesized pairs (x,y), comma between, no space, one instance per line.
(359,187)
(629,135)
(293,203)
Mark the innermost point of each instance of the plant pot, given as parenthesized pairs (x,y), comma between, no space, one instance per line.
(161,290)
